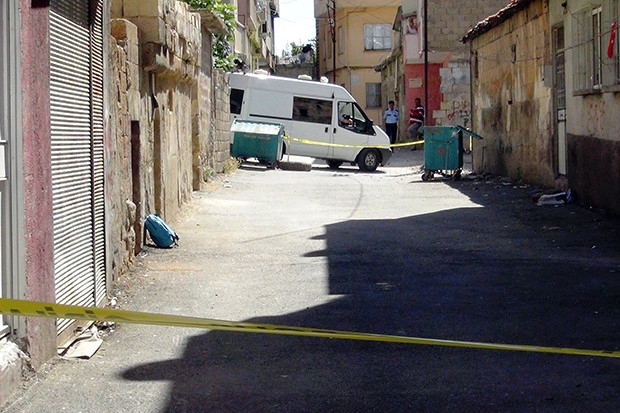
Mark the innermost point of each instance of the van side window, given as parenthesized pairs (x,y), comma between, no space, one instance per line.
(312,110)
(236,100)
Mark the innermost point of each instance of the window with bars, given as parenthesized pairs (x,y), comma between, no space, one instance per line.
(611,52)
(377,36)
(586,40)
(596,64)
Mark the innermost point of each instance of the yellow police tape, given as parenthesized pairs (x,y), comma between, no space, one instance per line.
(41,309)
(337,145)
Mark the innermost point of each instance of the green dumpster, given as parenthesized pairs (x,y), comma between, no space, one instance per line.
(443,150)
(261,140)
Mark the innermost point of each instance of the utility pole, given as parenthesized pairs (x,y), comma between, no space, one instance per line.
(331,14)
(425,34)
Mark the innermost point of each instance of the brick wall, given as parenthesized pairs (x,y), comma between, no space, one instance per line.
(448,22)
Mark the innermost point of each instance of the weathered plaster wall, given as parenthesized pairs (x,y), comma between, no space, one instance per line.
(594,171)
(35,336)
(40,339)
(511,105)
(593,150)
(592,126)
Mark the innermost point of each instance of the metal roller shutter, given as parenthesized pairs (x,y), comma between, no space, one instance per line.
(98,159)
(77,154)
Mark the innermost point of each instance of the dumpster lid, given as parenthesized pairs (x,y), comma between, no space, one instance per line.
(455,129)
(467,131)
(250,126)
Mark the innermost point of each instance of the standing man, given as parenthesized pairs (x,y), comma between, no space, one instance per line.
(416,119)
(390,120)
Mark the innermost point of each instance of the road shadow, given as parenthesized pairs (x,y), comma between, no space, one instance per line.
(487,274)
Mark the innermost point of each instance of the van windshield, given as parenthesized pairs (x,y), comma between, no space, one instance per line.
(351,116)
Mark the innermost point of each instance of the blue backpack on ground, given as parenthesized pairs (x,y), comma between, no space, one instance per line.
(161,234)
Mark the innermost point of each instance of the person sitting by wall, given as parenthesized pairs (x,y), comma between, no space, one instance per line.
(416,121)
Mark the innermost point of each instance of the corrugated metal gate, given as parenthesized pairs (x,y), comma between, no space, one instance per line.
(76,100)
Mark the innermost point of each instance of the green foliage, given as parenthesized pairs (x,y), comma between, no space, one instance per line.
(296,48)
(222,51)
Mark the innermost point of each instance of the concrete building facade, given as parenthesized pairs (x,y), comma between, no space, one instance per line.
(352,38)
(254,37)
(445,66)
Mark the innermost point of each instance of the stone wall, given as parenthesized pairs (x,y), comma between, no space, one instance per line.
(166,123)
(169,41)
(219,142)
(122,206)
(212,145)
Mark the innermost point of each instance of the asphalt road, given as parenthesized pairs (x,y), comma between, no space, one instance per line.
(385,253)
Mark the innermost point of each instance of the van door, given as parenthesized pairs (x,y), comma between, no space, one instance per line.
(353,131)
(311,128)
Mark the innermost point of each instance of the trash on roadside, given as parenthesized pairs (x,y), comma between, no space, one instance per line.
(557,198)
(84,346)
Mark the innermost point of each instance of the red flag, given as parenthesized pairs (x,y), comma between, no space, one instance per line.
(612,41)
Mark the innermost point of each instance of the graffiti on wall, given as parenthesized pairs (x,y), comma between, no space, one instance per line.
(460,113)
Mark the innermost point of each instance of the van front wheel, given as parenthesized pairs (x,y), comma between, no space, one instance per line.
(368,160)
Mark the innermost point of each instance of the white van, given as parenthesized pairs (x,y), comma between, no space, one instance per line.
(322,120)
